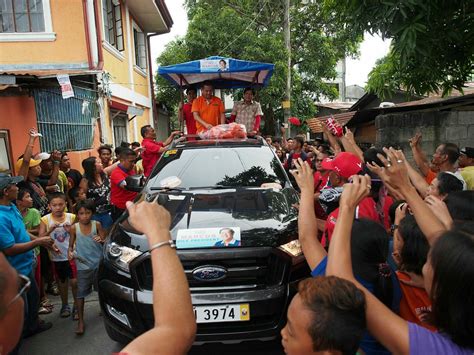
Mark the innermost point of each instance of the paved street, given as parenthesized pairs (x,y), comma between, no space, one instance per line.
(61,339)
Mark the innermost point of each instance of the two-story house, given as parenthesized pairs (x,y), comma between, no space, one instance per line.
(99,47)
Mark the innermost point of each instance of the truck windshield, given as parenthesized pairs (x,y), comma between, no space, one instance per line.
(218,166)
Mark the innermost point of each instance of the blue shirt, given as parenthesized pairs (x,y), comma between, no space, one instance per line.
(235,243)
(13,231)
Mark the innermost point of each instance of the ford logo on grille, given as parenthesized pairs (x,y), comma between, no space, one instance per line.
(209,273)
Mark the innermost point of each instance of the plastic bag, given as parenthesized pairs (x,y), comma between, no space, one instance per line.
(225,131)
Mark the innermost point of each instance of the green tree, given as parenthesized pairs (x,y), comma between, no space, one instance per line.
(432,42)
(252,30)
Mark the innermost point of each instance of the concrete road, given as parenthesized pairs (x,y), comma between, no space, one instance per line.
(61,339)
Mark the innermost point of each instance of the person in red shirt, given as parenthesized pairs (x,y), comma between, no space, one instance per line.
(118,193)
(185,111)
(321,180)
(341,168)
(152,148)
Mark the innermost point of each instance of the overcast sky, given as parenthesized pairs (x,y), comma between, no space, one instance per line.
(357,70)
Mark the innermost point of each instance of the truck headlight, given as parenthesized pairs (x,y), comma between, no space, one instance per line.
(122,256)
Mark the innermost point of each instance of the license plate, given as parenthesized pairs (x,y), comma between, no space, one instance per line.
(222,313)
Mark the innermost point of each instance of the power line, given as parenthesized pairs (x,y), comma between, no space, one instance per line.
(245,30)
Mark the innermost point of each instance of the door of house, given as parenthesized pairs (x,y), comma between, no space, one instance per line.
(5,153)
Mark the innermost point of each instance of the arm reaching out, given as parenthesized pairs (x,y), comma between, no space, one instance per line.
(307,225)
(350,145)
(28,153)
(419,155)
(175,325)
(386,326)
(336,148)
(417,180)
(395,174)
(170,138)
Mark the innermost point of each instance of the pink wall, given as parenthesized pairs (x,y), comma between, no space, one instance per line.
(18,115)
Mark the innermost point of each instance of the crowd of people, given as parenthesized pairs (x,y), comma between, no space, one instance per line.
(54,220)
(389,244)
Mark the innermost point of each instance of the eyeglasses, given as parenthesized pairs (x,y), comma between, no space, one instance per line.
(24,286)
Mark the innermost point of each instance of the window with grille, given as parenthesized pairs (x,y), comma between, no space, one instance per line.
(113,30)
(140,48)
(21,16)
(66,124)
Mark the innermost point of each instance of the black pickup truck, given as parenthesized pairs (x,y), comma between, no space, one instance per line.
(241,290)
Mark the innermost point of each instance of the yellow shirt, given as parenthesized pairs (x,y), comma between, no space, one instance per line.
(468,175)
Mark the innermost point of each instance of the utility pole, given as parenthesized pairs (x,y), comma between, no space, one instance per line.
(286,104)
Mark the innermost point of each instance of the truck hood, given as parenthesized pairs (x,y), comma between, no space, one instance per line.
(265,217)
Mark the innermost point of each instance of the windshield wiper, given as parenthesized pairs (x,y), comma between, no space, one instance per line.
(159,188)
(212,187)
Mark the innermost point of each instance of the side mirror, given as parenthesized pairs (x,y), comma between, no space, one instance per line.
(134,183)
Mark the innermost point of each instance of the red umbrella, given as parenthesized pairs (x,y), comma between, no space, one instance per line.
(295,121)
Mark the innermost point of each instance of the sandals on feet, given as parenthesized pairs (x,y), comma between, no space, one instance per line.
(46,304)
(44,310)
(65,311)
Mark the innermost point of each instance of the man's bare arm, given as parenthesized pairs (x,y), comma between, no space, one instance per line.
(175,325)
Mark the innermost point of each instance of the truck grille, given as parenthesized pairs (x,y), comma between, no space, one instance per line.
(247,269)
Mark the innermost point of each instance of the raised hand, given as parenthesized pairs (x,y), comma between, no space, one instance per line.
(151,219)
(440,210)
(349,135)
(400,212)
(394,171)
(416,140)
(303,175)
(356,191)
(34,133)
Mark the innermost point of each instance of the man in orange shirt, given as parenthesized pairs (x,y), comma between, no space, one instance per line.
(208,110)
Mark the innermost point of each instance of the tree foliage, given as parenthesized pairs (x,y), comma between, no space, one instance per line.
(432,41)
(253,30)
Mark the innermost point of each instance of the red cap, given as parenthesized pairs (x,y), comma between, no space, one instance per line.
(344,164)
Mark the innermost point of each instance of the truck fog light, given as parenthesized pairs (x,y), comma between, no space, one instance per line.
(121,317)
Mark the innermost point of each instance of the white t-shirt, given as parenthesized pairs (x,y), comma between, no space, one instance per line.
(59,234)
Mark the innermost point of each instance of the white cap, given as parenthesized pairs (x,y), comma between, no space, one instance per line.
(42,156)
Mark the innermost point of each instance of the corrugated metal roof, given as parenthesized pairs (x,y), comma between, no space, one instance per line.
(316,124)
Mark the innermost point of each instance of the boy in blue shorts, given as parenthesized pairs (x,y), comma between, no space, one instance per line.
(85,246)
